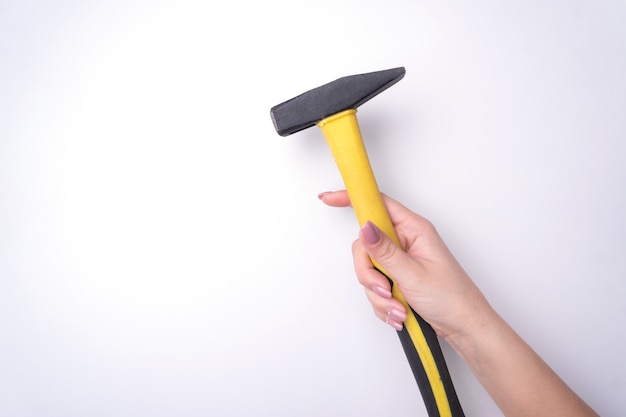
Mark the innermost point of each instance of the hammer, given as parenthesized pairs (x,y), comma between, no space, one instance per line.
(332,107)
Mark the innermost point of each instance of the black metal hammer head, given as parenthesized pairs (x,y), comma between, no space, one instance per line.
(343,94)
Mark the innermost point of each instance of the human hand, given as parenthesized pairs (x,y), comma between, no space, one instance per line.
(426,273)
(438,289)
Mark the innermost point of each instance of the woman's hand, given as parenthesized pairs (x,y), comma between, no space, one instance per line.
(438,289)
(430,279)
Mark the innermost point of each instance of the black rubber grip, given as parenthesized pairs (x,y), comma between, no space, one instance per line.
(419,372)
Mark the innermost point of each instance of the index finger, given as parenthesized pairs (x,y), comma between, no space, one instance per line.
(335,198)
(397,211)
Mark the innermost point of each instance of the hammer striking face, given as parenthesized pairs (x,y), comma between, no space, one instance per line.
(342,94)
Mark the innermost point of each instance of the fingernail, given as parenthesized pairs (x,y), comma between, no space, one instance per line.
(371,233)
(396,325)
(397,315)
(321,195)
(381,291)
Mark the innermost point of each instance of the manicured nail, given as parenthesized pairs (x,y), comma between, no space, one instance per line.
(371,233)
(397,315)
(396,325)
(381,291)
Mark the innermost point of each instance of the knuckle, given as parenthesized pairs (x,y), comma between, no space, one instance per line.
(361,277)
(386,252)
(355,245)
(429,227)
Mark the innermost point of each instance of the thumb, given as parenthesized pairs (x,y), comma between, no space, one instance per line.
(396,262)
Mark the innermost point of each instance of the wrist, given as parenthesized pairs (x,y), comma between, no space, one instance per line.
(482,324)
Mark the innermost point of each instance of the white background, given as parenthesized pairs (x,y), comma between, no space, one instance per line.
(162,250)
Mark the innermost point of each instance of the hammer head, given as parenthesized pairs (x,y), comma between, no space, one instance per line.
(342,94)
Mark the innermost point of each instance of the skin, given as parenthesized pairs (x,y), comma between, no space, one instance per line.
(440,291)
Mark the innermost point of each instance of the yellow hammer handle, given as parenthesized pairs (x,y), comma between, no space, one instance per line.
(344,139)
(420,343)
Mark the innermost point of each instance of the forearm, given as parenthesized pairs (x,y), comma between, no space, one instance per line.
(518,380)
